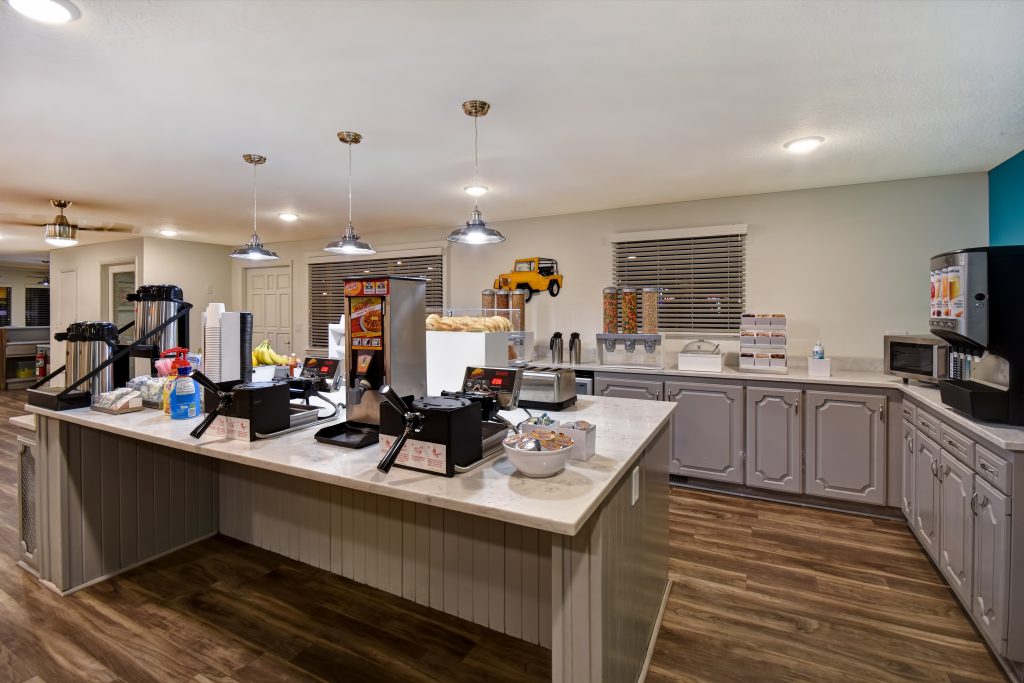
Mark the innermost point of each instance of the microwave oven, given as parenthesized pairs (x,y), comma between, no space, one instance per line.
(921,357)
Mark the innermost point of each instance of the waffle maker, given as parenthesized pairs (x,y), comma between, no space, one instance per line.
(452,433)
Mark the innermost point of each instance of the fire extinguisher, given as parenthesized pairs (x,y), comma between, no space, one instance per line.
(41,363)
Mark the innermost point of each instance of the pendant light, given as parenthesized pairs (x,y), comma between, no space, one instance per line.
(476,230)
(350,243)
(254,250)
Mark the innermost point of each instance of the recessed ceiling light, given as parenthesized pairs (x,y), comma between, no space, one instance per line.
(398,263)
(46,11)
(804,145)
(288,217)
(168,232)
(630,258)
(476,190)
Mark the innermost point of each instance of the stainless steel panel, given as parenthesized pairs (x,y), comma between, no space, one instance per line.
(547,385)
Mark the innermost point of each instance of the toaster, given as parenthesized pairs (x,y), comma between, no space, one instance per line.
(547,388)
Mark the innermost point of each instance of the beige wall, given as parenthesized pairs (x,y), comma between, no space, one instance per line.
(201,270)
(846,264)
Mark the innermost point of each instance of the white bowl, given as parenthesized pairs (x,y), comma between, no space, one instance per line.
(538,463)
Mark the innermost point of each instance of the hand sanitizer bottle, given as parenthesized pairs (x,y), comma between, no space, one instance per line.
(817,351)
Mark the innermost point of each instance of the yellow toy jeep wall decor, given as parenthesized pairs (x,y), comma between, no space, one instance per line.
(534,274)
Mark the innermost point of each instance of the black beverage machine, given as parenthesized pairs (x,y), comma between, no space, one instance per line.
(977,306)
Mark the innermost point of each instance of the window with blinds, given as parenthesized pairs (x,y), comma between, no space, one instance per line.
(325,287)
(37,306)
(701,279)
(5,306)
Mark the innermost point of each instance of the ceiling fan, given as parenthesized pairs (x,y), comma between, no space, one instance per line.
(60,232)
(45,282)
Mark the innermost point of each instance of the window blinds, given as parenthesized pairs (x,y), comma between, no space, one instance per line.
(325,286)
(701,279)
(37,306)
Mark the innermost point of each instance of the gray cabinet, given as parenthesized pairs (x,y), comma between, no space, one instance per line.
(926,495)
(844,444)
(991,563)
(773,439)
(708,430)
(907,456)
(956,524)
(620,387)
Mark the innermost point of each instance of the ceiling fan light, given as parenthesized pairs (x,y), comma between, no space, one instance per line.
(60,233)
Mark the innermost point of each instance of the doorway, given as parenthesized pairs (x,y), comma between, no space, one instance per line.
(268,294)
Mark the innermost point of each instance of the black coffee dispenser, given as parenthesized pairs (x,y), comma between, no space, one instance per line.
(977,307)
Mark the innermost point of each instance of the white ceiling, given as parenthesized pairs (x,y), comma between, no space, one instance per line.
(140,110)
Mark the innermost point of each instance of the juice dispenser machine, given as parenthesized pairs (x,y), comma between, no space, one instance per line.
(977,307)
(385,346)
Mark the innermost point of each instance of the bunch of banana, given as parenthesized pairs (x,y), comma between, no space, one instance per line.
(264,355)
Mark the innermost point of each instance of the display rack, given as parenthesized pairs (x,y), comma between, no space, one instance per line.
(763,344)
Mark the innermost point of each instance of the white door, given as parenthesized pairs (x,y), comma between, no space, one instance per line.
(268,294)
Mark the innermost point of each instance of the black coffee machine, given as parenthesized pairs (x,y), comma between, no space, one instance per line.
(977,307)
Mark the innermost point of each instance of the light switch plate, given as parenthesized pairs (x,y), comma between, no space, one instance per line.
(635,486)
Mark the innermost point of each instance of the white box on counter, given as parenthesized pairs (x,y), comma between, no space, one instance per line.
(819,367)
(449,353)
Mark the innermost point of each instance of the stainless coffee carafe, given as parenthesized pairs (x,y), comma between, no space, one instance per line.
(87,345)
(575,348)
(556,347)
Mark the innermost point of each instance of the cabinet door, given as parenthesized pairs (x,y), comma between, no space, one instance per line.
(926,494)
(991,563)
(956,524)
(844,442)
(907,469)
(708,430)
(650,390)
(773,439)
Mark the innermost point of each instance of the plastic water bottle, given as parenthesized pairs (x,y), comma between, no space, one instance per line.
(184,399)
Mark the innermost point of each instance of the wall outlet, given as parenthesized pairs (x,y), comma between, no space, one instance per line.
(209,289)
(635,485)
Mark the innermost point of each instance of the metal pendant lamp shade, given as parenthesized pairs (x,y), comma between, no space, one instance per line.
(350,243)
(476,231)
(60,233)
(254,249)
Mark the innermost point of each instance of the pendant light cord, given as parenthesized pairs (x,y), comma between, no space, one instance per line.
(254,233)
(476,161)
(350,184)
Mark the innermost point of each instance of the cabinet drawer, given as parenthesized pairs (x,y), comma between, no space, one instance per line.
(957,444)
(927,424)
(994,469)
(909,411)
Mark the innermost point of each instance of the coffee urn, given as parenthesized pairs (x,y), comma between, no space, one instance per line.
(87,345)
(154,305)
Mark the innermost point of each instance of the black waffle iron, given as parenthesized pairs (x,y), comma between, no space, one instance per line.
(452,433)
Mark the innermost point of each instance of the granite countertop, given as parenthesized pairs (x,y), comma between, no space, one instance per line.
(1007,437)
(560,504)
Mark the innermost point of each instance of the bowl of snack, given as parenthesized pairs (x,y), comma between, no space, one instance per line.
(542,453)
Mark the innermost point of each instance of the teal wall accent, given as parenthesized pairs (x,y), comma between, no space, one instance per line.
(1006,202)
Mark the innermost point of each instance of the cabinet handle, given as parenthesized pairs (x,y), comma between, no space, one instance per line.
(947,470)
(974,504)
(935,468)
(985,466)
(954,444)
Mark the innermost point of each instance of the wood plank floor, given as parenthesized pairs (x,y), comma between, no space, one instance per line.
(763,592)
